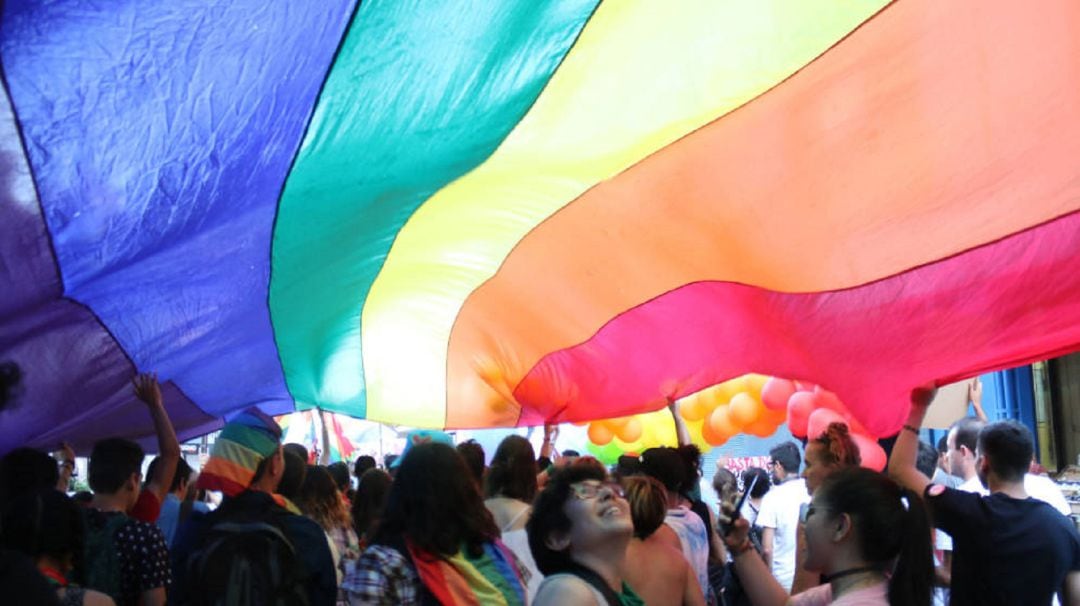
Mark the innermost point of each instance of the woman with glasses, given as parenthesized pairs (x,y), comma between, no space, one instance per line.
(867,536)
(578,534)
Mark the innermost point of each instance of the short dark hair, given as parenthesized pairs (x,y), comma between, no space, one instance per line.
(943,444)
(362,464)
(926,460)
(434,503)
(299,450)
(293,476)
(548,516)
(1008,447)
(627,466)
(182,474)
(762,485)
(473,453)
(513,470)
(340,472)
(26,470)
(112,461)
(570,453)
(691,456)
(967,432)
(787,456)
(667,465)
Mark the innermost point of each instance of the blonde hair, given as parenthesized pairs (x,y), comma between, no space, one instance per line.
(648,504)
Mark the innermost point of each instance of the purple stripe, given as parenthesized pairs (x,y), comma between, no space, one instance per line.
(76,384)
(160,134)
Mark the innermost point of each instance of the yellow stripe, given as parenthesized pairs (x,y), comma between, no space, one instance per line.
(642,75)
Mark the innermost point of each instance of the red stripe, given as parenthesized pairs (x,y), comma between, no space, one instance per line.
(1010,302)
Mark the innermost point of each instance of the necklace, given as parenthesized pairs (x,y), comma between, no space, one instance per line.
(829,578)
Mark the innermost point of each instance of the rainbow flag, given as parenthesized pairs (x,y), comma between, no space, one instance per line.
(483,214)
(461,580)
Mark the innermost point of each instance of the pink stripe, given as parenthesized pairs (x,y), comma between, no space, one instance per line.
(1007,303)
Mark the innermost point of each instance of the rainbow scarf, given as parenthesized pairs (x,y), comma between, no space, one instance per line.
(460,580)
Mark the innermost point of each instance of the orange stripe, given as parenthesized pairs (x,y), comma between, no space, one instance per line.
(936,127)
(229,471)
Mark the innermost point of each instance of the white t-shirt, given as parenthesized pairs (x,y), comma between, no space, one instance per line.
(1037,487)
(780,511)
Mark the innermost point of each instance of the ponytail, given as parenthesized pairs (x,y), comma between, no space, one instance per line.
(893,529)
(912,579)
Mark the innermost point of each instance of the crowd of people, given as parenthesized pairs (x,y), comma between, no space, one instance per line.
(965,523)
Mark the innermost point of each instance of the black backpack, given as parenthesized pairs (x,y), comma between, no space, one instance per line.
(246,560)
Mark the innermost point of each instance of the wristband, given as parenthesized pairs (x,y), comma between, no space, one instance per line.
(742,548)
(911,429)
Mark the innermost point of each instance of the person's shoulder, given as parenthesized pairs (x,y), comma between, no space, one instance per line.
(815,596)
(139,530)
(559,589)
(96,598)
(302,528)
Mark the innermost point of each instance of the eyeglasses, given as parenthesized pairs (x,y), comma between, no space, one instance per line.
(808,510)
(592,489)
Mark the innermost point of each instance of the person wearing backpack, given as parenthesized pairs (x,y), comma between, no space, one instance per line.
(255,549)
(125,558)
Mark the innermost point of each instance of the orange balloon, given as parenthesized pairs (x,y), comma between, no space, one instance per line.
(630,431)
(776,417)
(692,408)
(755,384)
(744,409)
(721,422)
(617,423)
(761,428)
(713,437)
(599,433)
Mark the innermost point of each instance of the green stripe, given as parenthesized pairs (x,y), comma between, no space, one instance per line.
(420,94)
(252,439)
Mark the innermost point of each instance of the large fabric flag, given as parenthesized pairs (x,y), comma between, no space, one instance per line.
(479,214)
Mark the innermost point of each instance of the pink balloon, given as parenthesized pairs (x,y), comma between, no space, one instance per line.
(804,386)
(827,399)
(872,454)
(776,393)
(819,421)
(800,405)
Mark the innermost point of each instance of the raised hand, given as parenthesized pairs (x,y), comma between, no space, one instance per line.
(147,388)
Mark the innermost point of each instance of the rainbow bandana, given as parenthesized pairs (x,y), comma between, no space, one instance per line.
(244,442)
(493,578)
